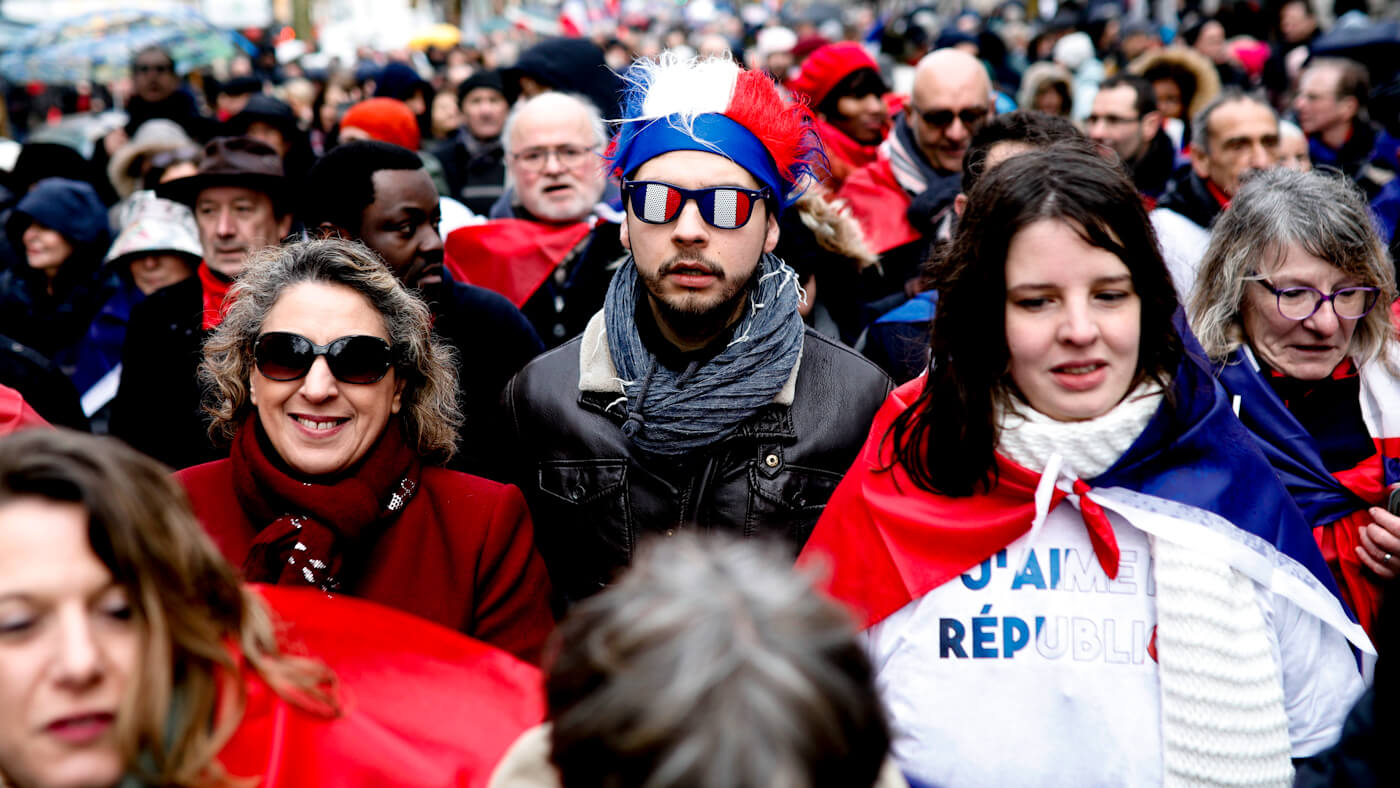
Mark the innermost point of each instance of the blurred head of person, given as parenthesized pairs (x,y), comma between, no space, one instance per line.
(60,229)
(323,348)
(1332,95)
(1124,117)
(1296,21)
(379,194)
(554,144)
(153,77)
(1053,297)
(122,623)
(158,244)
(1293,147)
(483,103)
(1012,134)
(712,662)
(1290,240)
(1183,81)
(952,98)
(843,84)
(131,162)
(267,120)
(383,119)
(238,199)
(1232,137)
(1046,87)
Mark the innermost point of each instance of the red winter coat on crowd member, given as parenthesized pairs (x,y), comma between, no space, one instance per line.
(461,552)
(420,705)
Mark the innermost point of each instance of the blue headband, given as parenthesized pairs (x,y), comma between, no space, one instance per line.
(713,133)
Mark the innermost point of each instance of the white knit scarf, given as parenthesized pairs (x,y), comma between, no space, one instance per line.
(1223,716)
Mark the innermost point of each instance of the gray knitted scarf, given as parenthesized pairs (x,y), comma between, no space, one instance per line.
(670,412)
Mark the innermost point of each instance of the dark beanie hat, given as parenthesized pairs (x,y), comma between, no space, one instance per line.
(488,78)
(398,81)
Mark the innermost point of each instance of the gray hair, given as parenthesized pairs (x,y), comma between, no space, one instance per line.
(1323,214)
(430,413)
(1200,125)
(713,663)
(595,119)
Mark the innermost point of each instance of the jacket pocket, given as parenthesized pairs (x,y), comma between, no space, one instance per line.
(584,528)
(789,502)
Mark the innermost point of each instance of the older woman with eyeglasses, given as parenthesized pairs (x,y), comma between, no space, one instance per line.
(340,408)
(1293,304)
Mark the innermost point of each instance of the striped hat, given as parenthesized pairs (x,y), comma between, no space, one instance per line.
(713,105)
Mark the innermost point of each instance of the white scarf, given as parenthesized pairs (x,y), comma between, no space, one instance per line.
(1223,717)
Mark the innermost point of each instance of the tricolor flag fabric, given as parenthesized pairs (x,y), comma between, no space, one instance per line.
(713,105)
(1335,505)
(888,542)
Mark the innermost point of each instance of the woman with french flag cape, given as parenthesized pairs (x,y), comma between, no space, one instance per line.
(1293,305)
(1071,562)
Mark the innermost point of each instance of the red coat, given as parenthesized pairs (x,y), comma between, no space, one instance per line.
(461,553)
(421,705)
(879,203)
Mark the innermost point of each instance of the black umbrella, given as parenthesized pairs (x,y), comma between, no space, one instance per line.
(1374,45)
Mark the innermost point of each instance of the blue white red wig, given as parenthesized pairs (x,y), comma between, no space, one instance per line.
(713,105)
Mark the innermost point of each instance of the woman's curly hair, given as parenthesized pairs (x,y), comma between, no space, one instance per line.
(430,414)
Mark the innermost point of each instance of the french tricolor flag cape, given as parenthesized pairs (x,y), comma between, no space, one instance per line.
(1333,504)
(511,256)
(1193,476)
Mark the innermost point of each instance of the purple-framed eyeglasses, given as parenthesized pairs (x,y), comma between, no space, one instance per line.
(1302,302)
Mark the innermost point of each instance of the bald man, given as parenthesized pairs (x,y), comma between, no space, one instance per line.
(901,197)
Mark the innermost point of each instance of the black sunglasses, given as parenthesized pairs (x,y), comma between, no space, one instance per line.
(724,207)
(281,355)
(971,117)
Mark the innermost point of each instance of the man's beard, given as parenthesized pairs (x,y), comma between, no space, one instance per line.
(691,316)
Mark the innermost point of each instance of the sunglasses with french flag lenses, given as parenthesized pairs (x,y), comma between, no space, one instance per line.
(723,207)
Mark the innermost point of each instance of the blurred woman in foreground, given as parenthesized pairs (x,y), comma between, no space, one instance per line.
(131,655)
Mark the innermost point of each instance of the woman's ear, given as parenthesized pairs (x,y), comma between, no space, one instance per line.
(397,404)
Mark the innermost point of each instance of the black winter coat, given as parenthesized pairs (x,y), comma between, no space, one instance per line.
(594,496)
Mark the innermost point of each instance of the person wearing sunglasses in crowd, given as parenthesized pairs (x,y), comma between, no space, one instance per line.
(340,407)
(552,241)
(132,655)
(1293,303)
(900,199)
(695,398)
(1061,542)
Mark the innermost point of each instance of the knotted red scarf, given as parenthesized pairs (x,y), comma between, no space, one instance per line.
(310,525)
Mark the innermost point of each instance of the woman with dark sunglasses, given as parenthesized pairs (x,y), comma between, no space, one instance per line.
(1293,302)
(340,408)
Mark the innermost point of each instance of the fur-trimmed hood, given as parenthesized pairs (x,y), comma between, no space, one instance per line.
(1183,60)
(1037,77)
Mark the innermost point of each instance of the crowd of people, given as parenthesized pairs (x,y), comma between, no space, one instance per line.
(888,401)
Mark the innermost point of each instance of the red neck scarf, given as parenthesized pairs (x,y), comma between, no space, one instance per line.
(215,287)
(310,525)
(896,542)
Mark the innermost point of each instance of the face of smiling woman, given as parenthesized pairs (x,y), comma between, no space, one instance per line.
(319,425)
(68,647)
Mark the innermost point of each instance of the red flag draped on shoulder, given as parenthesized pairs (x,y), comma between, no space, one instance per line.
(510,256)
(888,542)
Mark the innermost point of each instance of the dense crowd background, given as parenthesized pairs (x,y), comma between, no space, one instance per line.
(1096,300)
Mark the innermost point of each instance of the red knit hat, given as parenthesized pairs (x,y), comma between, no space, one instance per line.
(827,66)
(384,119)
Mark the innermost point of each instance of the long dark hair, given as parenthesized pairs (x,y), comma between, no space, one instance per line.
(947,438)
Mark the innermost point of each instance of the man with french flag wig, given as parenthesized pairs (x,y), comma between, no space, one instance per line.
(696,397)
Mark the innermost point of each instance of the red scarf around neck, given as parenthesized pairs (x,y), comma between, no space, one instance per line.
(309,525)
(215,287)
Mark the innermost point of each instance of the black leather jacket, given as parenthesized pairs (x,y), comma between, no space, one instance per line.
(594,495)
